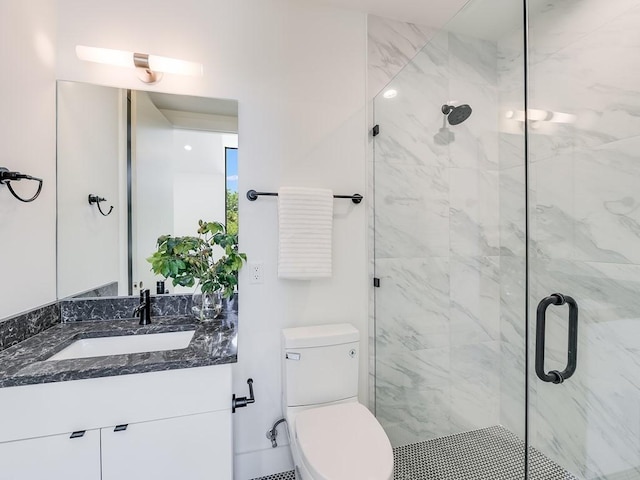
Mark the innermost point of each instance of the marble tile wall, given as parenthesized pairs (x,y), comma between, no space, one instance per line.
(512,211)
(391,46)
(437,245)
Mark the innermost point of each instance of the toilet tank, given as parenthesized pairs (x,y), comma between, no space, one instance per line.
(320,364)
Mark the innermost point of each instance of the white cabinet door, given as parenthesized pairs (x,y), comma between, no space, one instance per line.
(54,457)
(194,447)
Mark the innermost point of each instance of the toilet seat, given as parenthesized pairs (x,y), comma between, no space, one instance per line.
(343,442)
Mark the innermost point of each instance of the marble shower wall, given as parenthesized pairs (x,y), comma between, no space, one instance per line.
(512,233)
(450,237)
(437,245)
(585,230)
(391,45)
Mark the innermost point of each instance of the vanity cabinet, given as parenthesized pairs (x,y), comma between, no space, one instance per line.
(197,447)
(55,456)
(178,425)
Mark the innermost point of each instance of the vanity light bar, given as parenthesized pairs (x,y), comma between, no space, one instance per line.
(149,63)
(173,65)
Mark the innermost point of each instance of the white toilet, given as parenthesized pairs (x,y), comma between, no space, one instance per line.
(332,436)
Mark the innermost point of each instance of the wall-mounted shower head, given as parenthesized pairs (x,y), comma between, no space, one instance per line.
(456,115)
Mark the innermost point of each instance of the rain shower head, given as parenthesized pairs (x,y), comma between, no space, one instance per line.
(456,115)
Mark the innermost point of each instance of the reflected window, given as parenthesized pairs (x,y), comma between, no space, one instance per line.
(231,208)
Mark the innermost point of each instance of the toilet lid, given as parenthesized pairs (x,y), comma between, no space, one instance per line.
(344,442)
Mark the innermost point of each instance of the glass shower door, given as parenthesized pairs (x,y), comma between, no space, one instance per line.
(584,242)
(449,195)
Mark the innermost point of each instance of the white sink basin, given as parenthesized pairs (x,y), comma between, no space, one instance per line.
(104,346)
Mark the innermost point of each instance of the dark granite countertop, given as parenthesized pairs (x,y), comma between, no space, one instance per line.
(213,343)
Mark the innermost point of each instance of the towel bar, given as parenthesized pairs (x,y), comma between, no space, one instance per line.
(253,195)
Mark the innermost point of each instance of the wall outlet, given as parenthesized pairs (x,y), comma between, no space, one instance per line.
(256,272)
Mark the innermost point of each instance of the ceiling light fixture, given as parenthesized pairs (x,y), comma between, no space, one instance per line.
(149,67)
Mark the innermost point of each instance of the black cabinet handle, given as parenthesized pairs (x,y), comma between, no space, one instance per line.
(78,434)
(121,428)
(555,376)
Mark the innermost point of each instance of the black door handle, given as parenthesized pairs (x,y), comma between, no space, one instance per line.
(555,376)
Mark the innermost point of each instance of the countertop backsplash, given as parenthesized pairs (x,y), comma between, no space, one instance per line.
(79,309)
(18,328)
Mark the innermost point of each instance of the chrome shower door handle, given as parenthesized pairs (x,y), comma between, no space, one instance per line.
(555,376)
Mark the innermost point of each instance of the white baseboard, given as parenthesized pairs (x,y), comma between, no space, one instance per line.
(261,463)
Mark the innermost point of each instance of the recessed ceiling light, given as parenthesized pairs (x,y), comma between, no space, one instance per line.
(187,148)
(390,93)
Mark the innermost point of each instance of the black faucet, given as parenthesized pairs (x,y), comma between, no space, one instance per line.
(144,309)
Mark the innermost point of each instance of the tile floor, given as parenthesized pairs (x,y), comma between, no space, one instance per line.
(492,453)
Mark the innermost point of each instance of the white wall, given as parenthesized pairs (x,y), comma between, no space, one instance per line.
(27,139)
(89,146)
(301,99)
(199,184)
(301,93)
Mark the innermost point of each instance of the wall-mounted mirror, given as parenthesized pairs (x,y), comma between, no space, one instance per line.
(161,161)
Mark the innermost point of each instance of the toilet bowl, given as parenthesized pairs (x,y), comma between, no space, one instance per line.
(332,436)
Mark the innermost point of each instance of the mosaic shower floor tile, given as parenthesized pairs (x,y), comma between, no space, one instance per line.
(492,453)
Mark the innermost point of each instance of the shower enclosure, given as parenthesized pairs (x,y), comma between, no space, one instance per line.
(507,244)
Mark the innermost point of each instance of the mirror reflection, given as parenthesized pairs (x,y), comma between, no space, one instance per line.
(161,161)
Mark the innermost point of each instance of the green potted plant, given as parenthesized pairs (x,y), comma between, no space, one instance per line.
(211,259)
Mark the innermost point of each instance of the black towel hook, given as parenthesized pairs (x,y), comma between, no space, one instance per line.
(7,176)
(96,199)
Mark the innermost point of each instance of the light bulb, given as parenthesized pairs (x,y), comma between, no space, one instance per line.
(118,58)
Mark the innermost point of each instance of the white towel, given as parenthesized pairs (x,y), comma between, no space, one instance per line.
(305,218)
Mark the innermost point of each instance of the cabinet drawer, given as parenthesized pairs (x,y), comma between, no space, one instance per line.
(54,457)
(194,447)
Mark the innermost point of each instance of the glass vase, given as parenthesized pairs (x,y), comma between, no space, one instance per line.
(207,306)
